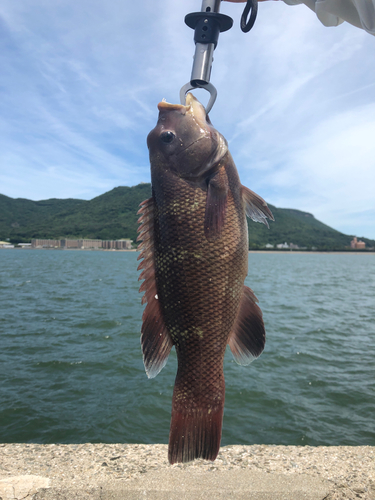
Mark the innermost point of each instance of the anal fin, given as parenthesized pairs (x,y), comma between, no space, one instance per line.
(248,335)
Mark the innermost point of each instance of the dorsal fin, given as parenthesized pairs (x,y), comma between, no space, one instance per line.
(256,208)
(155,339)
(248,335)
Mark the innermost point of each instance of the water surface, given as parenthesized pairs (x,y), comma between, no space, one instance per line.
(71,366)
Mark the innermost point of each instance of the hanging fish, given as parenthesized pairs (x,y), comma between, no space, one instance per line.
(195,258)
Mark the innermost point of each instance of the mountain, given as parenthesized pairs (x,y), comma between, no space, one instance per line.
(112,215)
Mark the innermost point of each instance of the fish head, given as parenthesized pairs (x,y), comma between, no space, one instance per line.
(184,140)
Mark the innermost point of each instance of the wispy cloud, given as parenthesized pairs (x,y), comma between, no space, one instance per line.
(80,82)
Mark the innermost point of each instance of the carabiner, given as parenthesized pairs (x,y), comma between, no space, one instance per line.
(207,25)
(207,86)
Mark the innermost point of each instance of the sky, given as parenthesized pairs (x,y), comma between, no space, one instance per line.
(80,83)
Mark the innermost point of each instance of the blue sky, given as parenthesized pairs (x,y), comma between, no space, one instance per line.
(80,83)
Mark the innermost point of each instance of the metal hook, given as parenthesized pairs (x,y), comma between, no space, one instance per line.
(207,86)
(207,25)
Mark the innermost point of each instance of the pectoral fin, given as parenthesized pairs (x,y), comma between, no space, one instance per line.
(216,206)
(155,339)
(248,335)
(256,208)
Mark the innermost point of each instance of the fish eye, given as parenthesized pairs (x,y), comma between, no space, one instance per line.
(167,137)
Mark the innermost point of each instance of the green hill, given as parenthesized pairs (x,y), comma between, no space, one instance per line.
(112,215)
(300,228)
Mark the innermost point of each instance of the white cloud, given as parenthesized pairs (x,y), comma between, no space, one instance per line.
(80,82)
(332,172)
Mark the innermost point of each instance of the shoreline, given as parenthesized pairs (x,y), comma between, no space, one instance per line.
(286,251)
(91,470)
(76,249)
(337,252)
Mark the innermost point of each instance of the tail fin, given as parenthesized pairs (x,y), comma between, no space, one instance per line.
(195,433)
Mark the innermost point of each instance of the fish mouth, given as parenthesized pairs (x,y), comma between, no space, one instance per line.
(166,106)
(193,107)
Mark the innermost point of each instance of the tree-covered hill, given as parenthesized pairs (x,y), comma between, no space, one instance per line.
(112,215)
(300,228)
(22,213)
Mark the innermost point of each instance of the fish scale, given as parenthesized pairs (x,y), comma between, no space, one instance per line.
(194,245)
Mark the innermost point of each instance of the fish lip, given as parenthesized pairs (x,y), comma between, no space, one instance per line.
(166,106)
(192,107)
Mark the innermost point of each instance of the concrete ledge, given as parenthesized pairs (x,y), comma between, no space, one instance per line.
(111,472)
(223,485)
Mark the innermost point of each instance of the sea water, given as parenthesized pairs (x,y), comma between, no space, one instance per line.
(71,366)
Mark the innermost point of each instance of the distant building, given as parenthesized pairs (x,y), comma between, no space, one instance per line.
(358,245)
(117,244)
(81,243)
(40,243)
(124,244)
(282,245)
(269,245)
(69,243)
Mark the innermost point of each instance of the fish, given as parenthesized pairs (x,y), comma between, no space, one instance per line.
(194,260)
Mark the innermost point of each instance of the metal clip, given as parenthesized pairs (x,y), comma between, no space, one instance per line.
(207,25)
(208,86)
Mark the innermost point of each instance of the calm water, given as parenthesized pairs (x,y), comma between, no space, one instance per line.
(71,366)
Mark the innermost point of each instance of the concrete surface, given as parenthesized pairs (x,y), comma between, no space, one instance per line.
(176,485)
(134,472)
